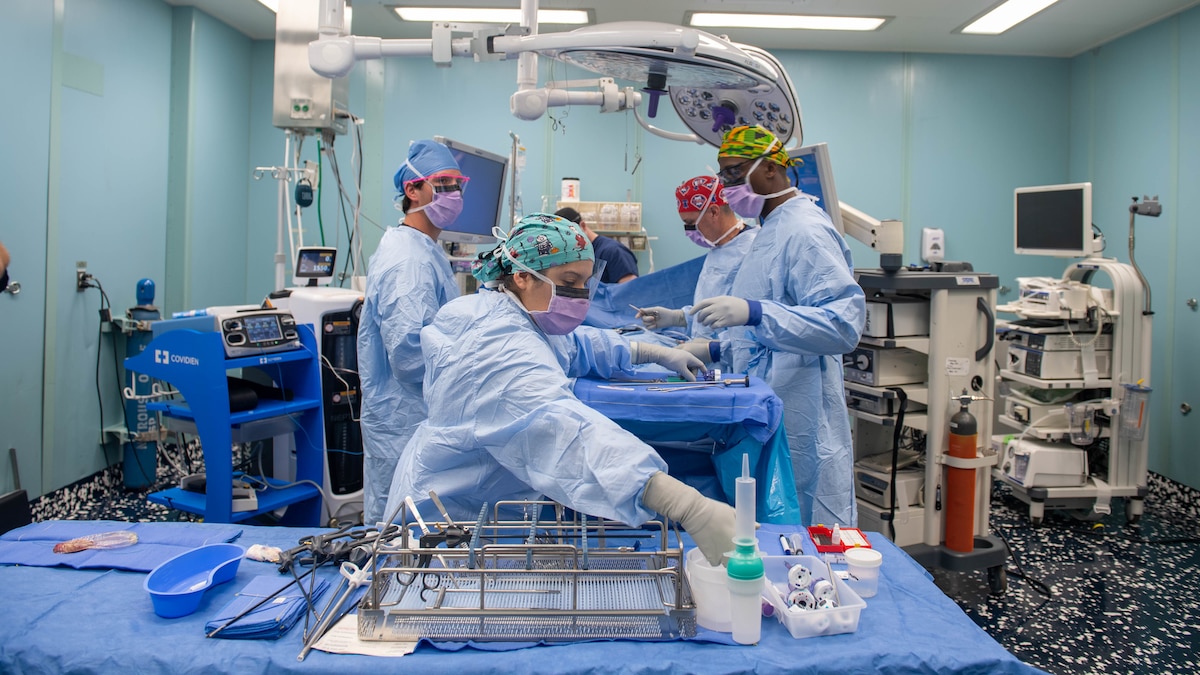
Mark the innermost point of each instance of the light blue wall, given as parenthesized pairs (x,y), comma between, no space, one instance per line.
(220,180)
(1133,132)
(26,35)
(935,140)
(107,178)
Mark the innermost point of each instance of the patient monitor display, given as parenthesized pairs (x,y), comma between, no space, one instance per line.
(314,265)
(1054,220)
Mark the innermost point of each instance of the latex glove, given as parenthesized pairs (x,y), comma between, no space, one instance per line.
(676,359)
(701,348)
(722,311)
(709,522)
(654,318)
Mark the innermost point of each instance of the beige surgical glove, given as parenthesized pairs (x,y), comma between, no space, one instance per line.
(709,522)
(654,318)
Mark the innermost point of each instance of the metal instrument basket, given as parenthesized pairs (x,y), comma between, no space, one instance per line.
(561,580)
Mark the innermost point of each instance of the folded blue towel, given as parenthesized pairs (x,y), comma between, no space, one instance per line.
(275,617)
(33,544)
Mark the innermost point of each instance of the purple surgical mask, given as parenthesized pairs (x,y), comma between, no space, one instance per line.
(563,315)
(744,200)
(567,309)
(444,208)
(697,238)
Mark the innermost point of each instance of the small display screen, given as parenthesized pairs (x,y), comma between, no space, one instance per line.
(315,263)
(262,328)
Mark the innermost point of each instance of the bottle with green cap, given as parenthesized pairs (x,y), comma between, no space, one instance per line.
(744,569)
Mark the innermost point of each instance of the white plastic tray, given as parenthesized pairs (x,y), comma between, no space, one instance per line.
(810,623)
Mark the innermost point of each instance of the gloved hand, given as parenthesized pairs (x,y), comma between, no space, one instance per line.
(701,348)
(709,522)
(676,359)
(661,317)
(723,311)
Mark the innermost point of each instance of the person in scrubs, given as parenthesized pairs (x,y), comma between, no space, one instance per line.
(710,224)
(504,422)
(408,280)
(792,311)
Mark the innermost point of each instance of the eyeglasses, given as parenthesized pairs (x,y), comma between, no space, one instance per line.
(444,182)
(732,175)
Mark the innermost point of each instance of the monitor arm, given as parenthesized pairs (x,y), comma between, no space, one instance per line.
(885,236)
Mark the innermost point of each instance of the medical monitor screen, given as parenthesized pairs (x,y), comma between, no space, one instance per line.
(262,329)
(1054,220)
(315,263)
(483,198)
(814,176)
(314,266)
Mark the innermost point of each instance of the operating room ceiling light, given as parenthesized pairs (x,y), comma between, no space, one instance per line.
(785,21)
(488,15)
(1005,16)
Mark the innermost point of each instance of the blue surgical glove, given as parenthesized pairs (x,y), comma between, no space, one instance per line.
(726,310)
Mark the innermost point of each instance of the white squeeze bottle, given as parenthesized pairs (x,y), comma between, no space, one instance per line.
(744,570)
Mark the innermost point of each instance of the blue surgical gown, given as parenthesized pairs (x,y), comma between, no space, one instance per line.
(504,422)
(409,279)
(721,265)
(812,312)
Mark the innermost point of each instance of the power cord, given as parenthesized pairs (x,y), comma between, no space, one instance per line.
(90,281)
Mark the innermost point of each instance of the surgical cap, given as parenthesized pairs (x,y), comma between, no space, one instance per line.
(428,157)
(538,241)
(752,143)
(694,193)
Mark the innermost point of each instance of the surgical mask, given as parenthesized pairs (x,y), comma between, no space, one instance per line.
(744,200)
(698,239)
(568,306)
(446,205)
(692,232)
(443,210)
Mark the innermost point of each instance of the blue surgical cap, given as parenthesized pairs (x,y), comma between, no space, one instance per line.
(428,157)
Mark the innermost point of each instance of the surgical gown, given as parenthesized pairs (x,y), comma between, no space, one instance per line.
(716,277)
(812,312)
(504,422)
(409,279)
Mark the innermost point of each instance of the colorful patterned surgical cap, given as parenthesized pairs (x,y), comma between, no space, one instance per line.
(538,241)
(752,143)
(693,193)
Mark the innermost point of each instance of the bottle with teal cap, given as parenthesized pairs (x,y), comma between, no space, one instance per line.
(744,569)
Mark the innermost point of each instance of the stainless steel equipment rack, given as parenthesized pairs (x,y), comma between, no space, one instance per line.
(560,580)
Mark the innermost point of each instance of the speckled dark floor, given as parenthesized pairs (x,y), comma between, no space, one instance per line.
(1115,598)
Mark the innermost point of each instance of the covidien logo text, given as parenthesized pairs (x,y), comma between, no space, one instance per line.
(165,356)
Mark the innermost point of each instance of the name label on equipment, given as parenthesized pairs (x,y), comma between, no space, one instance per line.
(958,366)
(968,281)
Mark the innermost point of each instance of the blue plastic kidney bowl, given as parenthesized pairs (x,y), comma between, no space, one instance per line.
(177,586)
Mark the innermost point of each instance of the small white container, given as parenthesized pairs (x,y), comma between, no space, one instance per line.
(813,622)
(863,565)
(710,592)
(570,190)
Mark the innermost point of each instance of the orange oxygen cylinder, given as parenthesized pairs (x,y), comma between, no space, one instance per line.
(960,483)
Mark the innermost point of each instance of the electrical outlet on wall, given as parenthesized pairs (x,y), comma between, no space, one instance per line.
(81,275)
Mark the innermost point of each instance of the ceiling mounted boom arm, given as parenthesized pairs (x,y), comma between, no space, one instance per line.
(713,83)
